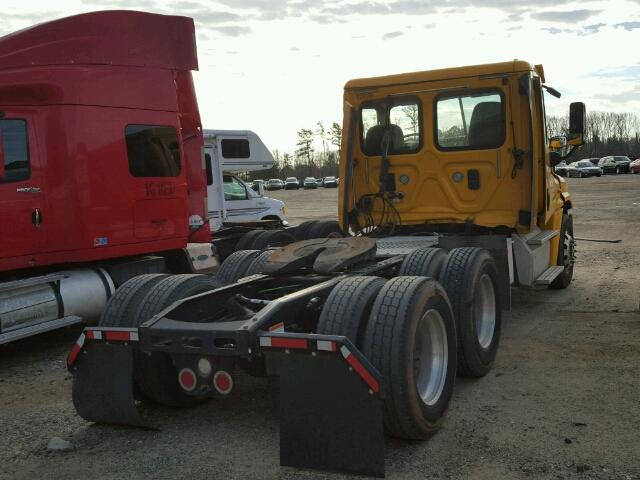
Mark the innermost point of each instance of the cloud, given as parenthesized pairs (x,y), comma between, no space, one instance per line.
(139,4)
(591,29)
(232,30)
(390,35)
(210,16)
(627,96)
(556,31)
(627,72)
(570,16)
(628,25)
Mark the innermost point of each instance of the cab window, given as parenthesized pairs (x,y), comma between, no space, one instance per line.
(15,150)
(234,189)
(395,128)
(470,121)
(153,151)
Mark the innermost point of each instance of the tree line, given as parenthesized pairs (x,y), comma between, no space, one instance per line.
(606,133)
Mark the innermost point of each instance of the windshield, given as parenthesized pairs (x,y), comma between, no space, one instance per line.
(309,179)
(584,163)
(621,159)
(292,179)
(329,178)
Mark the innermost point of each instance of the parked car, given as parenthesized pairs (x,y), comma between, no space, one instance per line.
(593,160)
(561,169)
(330,182)
(274,184)
(310,182)
(320,181)
(584,168)
(634,166)
(615,164)
(291,183)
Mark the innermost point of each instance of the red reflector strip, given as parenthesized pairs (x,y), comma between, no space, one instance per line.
(75,350)
(120,336)
(93,334)
(361,370)
(295,343)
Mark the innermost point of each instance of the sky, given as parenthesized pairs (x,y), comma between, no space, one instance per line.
(276,66)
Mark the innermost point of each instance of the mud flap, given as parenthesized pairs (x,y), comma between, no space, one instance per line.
(103,384)
(330,406)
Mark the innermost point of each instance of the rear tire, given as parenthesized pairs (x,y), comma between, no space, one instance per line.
(470,277)
(272,237)
(247,240)
(123,304)
(301,232)
(326,229)
(348,306)
(424,262)
(566,253)
(258,263)
(411,339)
(235,265)
(155,374)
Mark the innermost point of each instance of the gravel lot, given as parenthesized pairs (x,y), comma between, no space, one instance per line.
(561,402)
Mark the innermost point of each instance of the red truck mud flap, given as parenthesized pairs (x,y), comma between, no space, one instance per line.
(101,362)
(330,404)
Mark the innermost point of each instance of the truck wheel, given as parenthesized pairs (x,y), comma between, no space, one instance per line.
(566,253)
(470,278)
(424,262)
(411,339)
(326,229)
(272,237)
(247,239)
(258,263)
(125,301)
(301,232)
(235,265)
(155,375)
(348,306)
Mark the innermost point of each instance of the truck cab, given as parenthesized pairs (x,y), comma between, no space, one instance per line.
(229,199)
(459,150)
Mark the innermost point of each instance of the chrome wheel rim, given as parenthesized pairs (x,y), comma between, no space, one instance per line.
(485,311)
(431,357)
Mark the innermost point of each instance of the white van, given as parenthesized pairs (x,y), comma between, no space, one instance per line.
(230,199)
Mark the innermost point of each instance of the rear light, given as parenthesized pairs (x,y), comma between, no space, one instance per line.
(187,379)
(223,382)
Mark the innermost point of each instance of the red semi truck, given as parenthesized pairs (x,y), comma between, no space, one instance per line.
(102,171)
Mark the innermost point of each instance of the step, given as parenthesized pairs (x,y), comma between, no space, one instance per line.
(39,328)
(549,275)
(542,237)
(31,281)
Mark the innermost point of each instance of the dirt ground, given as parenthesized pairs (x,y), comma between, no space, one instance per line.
(563,400)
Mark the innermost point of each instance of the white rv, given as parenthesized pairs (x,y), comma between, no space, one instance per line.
(230,199)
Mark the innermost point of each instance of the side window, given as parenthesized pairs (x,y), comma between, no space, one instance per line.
(153,151)
(470,122)
(399,124)
(233,188)
(235,148)
(15,150)
(209,168)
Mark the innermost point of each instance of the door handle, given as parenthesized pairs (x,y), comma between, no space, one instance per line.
(36,217)
(28,190)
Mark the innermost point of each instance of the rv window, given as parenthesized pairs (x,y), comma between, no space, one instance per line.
(153,151)
(15,149)
(234,189)
(471,121)
(207,163)
(235,148)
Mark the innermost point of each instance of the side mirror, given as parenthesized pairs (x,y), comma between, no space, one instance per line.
(554,158)
(577,115)
(259,188)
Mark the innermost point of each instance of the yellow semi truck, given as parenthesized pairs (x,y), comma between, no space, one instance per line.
(447,199)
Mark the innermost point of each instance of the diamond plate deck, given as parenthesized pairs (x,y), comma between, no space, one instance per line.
(401,245)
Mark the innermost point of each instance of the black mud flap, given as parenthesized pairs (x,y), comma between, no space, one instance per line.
(330,417)
(103,384)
